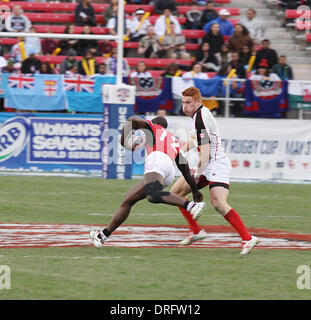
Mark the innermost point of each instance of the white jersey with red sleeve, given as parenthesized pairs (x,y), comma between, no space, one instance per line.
(204,129)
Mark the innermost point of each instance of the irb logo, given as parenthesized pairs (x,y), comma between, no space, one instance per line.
(5,277)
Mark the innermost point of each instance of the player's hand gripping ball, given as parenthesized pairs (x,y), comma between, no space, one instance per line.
(136,140)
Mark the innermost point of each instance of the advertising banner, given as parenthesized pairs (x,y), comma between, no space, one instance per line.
(54,143)
(260,149)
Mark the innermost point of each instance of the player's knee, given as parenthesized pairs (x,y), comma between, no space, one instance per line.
(154,192)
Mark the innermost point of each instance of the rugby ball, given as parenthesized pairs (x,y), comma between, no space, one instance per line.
(135,140)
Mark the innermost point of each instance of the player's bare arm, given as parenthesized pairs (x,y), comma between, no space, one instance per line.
(183,166)
(203,159)
(188,146)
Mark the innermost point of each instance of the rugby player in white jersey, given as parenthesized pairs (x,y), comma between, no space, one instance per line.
(213,170)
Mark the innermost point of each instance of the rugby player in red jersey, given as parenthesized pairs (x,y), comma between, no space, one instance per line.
(213,169)
(163,151)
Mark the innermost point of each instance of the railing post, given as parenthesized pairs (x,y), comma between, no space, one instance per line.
(227,99)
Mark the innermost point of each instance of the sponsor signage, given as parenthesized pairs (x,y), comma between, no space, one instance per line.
(56,143)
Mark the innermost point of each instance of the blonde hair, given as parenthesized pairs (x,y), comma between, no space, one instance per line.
(192,92)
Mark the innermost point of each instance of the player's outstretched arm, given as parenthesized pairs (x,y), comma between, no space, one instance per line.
(182,165)
(131,123)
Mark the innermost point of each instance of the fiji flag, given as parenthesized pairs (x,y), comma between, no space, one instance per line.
(266,99)
(40,92)
(84,93)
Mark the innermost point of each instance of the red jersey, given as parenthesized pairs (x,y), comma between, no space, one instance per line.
(163,141)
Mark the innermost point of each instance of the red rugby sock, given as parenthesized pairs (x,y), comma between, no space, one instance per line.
(194,227)
(235,220)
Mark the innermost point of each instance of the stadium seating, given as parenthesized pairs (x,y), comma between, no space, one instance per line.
(291,14)
(70,18)
(100,8)
(150,63)
(54,17)
(127,45)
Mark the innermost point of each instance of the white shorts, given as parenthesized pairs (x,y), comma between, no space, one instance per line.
(219,170)
(161,163)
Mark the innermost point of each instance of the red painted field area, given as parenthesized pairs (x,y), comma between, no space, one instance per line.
(16,235)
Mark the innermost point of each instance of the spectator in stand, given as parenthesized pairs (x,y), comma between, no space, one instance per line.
(88,66)
(172,46)
(139,26)
(206,58)
(46,68)
(32,64)
(245,55)
(102,70)
(84,45)
(68,62)
(85,14)
(73,71)
(224,56)
(214,38)
(254,25)
(161,113)
(266,53)
(240,38)
(172,70)
(141,71)
(162,24)
(161,5)
(234,88)
(237,65)
(17,21)
(3,64)
(111,10)
(104,48)
(282,69)
(263,74)
(194,17)
(112,25)
(148,45)
(66,44)
(9,68)
(226,27)
(195,73)
(49,45)
(34,43)
(208,14)
(111,64)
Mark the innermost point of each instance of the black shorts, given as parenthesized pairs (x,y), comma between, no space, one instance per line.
(203,182)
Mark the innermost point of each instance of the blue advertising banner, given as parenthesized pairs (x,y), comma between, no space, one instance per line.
(117,161)
(57,143)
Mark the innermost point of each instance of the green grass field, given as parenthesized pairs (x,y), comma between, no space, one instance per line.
(150,273)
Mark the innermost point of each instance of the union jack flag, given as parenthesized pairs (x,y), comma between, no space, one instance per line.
(79,83)
(21,81)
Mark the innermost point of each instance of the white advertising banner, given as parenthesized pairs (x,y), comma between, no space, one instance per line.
(261,149)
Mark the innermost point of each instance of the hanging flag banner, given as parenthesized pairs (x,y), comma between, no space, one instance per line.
(265,98)
(152,94)
(84,93)
(43,92)
(299,93)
